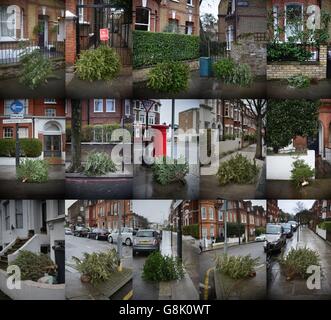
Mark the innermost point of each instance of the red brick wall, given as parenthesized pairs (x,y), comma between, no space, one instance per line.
(154,8)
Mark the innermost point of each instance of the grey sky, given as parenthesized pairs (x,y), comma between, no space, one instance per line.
(289,206)
(180,105)
(209,6)
(153,210)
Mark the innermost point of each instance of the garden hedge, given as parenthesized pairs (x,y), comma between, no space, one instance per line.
(29,147)
(149,48)
(191,230)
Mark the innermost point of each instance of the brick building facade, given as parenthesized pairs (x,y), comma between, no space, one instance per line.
(102,111)
(166,15)
(273,211)
(45,120)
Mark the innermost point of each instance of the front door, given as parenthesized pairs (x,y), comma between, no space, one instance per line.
(43,217)
(52,146)
(329,63)
(42,31)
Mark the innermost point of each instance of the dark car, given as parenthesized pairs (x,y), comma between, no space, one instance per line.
(81,232)
(288,230)
(275,238)
(98,234)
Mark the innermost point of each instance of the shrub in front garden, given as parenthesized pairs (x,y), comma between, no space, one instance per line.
(31,170)
(150,48)
(191,230)
(33,266)
(237,170)
(162,268)
(301,172)
(297,261)
(325,225)
(30,147)
(259,231)
(170,77)
(231,73)
(299,81)
(98,267)
(98,164)
(287,51)
(102,63)
(165,172)
(236,267)
(7,147)
(35,69)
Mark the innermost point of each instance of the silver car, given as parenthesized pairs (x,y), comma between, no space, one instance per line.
(146,240)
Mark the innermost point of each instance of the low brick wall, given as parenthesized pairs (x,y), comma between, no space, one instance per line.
(284,70)
(140,75)
(8,71)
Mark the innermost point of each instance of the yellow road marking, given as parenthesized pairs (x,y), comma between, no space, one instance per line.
(128,296)
(206,292)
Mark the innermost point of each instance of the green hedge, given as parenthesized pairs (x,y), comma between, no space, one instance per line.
(29,147)
(191,230)
(149,48)
(325,225)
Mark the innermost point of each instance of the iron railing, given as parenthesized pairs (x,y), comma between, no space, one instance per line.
(12,52)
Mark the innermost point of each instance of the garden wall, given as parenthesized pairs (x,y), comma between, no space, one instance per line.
(284,70)
(230,145)
(33,290)
(321,232)
(251,52)
(11,161)
(279,166)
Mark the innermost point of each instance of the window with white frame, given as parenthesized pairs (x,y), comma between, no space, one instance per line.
(127,108)
(11,23)
(19,214)
(203,213)
(142,118)
(23,133)
(110,105)
(189,2)
(49,101)
(275,13)
(8,132)
(142,19)
(50,112)
(220,215)
(293,21)
(229,37)
(204,232)
(211,213)
(212,231)
(98,105)
(151,119)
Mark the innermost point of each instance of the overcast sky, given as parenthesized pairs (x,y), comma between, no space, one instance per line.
(180,105)
(209,6)
(153,210)
(289,206)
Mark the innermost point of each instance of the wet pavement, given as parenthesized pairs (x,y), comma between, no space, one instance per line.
(205,88)
(282,289)
(279,88)
(145,187)
(253,288)
(283,189)
(119,88)
(55,88)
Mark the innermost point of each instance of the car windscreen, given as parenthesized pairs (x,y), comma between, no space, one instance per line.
(145,234)
(274,229)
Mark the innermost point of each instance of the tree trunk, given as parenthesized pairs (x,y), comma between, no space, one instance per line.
(76,127)
(258,152)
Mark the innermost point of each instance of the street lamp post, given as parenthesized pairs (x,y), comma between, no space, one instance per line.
(179,232)
(119,239)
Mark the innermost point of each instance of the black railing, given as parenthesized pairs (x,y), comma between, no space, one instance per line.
(12,52)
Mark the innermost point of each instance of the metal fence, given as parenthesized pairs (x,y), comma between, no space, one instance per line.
(12,52)
(213,49)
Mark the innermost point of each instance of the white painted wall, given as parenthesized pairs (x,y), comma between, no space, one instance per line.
(32,290)
(321,232)
(279,166)
(230,145)
(11,161)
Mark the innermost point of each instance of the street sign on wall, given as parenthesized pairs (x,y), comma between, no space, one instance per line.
(18,120)
(17,109)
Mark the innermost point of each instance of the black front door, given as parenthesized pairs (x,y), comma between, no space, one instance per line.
(329,63)
(52,146)
(313,143)
(43,217)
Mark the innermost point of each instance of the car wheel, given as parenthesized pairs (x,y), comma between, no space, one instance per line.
(110,239)
(128,242)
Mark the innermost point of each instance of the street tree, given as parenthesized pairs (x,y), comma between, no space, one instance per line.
(76,128)
(287,119)
(208,23)
(258,108)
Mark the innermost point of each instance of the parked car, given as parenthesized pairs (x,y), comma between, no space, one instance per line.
(275,238)
(126,233)
(98,234)
(261,237)
(288,230)
(81,232)
(146,240)
(294,225)
(67,231)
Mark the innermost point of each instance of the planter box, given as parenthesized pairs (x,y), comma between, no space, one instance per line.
(31,290)
(279,166)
